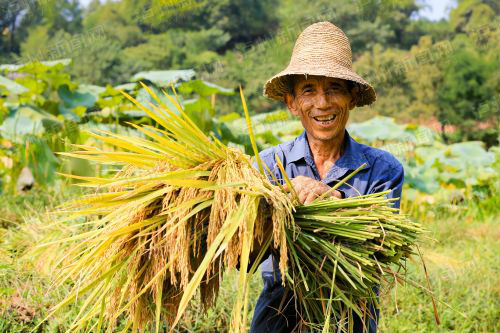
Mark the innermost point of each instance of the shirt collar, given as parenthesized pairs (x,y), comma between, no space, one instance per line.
(352,158)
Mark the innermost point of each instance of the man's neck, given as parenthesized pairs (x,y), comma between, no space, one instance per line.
(326,153)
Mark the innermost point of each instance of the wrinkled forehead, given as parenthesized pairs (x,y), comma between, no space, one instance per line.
(316,80)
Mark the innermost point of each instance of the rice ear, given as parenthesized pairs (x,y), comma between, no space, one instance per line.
(184,208)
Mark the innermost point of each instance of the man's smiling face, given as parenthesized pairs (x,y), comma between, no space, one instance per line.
(322,104)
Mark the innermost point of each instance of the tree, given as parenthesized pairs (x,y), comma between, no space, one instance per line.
(471,14)
(62,15)
(15,18)
(423,79)
(244,20)
(383,68)
(463,91)
(100,63)
(24,21)
(117,22)
(175,49)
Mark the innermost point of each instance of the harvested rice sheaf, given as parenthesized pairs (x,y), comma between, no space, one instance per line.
(184,208)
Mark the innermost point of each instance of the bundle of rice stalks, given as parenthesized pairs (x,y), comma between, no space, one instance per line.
(340,253)
(183,208)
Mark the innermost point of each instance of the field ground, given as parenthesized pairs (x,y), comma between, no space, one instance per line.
(460,251)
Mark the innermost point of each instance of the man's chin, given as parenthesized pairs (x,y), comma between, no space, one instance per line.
(328,136)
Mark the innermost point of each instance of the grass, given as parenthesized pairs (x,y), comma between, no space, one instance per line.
(463,262)
(462,259)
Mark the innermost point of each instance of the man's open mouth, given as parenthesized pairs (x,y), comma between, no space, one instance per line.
(325,119)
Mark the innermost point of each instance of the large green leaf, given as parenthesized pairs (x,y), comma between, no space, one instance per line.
(13,68)
(268,138)
(261,123)
(199,111)
(12,86)
(472,152)
(232,116)
(421,178)
(380,129)
(129,86)
(203,88)
(432,157)
(77,166)
(24,120)
(41,160)
(163,79)
(91,89)
(74,99)
(461,164)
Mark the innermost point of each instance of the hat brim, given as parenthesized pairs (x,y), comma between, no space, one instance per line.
(276,87)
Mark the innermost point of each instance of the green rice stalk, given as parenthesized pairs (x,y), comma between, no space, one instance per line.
(184,208)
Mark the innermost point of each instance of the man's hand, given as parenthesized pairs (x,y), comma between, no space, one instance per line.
(309,189)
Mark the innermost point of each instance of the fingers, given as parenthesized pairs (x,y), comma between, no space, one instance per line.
(297,184)
(300,183)
(309,193)
(308,189)
(336,194)
(311,196)
(302,196)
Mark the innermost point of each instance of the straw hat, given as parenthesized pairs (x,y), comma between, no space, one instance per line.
(321,49)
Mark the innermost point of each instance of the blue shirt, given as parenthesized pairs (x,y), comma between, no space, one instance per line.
(382,171)
(275,309)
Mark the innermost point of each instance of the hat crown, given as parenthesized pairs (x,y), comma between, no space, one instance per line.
(322,49)
(319,43)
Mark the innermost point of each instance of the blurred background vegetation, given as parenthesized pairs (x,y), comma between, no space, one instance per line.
(438,110)
(64,64)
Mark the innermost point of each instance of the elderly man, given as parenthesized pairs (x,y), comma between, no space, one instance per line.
(320,88)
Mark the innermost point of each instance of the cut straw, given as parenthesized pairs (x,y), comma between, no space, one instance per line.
(184,209)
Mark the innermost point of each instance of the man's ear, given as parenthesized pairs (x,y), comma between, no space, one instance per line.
(354,97)
(292,105)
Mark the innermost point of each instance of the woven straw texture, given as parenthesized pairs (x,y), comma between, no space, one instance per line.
(321,49)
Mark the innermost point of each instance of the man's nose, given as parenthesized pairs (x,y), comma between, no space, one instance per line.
(322,101)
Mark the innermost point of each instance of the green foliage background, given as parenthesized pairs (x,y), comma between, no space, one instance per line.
(444,75)
(421,69)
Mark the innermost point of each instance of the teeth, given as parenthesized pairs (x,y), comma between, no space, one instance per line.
(325,118)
